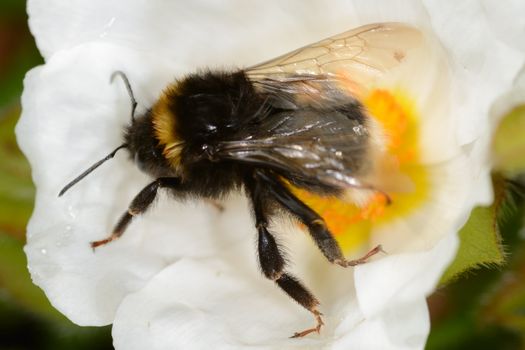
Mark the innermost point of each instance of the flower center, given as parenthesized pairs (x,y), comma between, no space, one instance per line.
(352,224)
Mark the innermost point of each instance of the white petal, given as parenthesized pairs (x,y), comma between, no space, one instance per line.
(193,304)
(483,65)
(402,278)
(196,33)
(201,303)
(506,22)
(407,11)
(399,327)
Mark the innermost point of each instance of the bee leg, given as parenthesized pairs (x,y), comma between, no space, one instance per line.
(347,263)
(314,222)
(295,289)
(138,206)
(272,262)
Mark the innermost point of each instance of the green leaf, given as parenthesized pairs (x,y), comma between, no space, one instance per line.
(480,238)
(509,143)
(479,244)
(485,310)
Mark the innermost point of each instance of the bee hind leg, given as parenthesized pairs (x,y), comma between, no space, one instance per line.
(363,259)
(272,262)
(316,225)
(139,205)
(295,289)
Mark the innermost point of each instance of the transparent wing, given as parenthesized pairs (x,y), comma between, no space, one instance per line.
(364,53)
(327,148)
(337,66)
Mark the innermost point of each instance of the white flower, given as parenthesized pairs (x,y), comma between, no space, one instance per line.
(184,275)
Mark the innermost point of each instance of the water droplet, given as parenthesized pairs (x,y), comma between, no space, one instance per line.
(35,276)
(107,27)
(65,237)
(71,212)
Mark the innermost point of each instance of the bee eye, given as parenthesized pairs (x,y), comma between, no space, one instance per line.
(140,163)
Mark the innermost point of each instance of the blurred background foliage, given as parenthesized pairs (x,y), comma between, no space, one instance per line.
(480,304)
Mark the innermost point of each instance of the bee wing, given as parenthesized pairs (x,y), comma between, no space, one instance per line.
(314,147)
(331,69)
(321,136)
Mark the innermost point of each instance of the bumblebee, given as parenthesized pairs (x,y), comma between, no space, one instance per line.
(295,122)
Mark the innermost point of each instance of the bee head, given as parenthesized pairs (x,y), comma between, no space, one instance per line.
(143,146)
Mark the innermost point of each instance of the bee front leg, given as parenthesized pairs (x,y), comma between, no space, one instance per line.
(138,206)
(316,225)
(272,262)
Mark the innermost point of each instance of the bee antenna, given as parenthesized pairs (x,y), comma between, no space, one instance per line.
(90,169)
(130,91)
